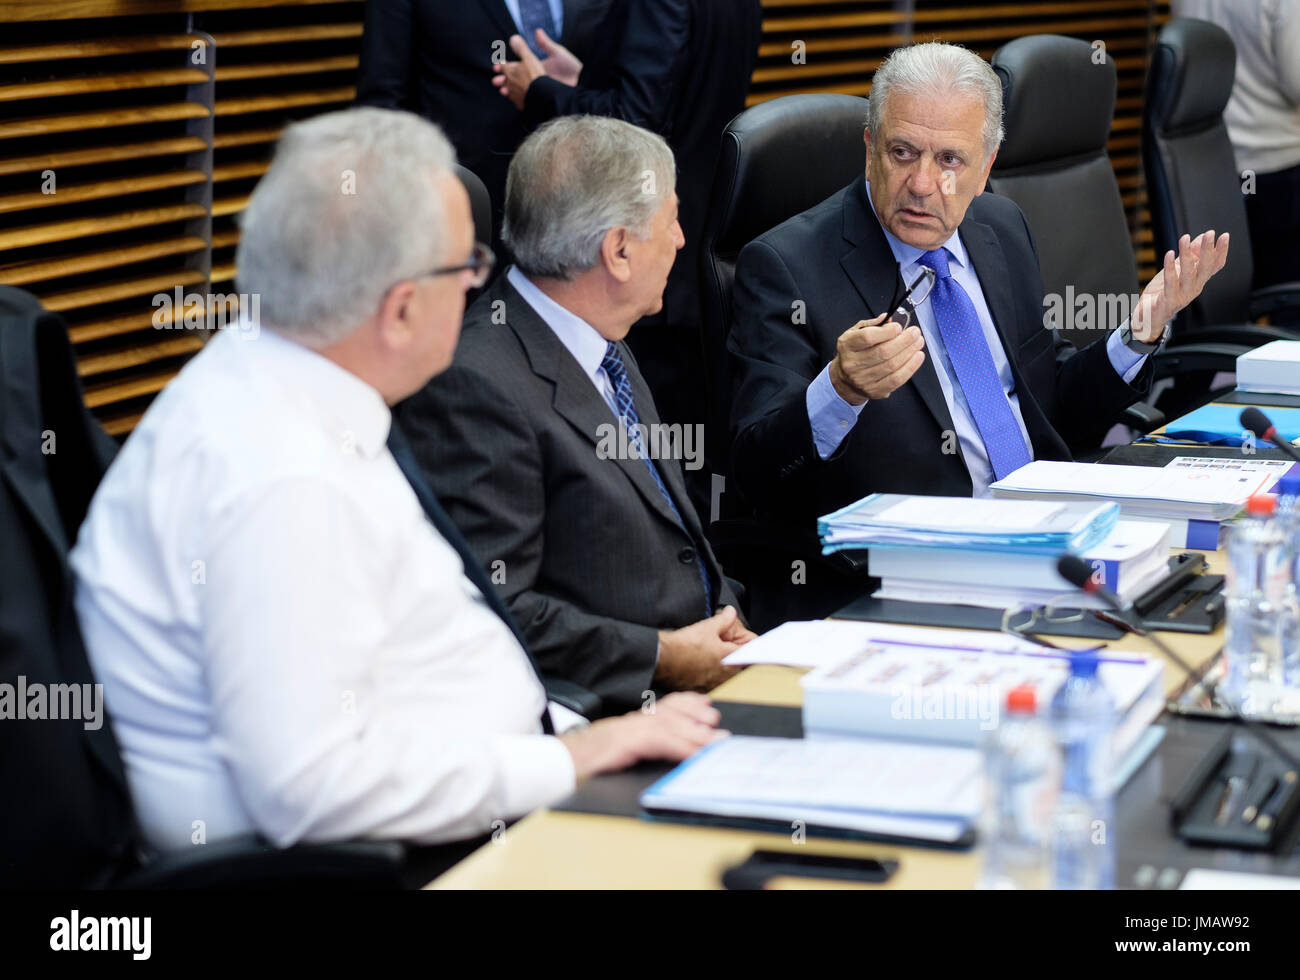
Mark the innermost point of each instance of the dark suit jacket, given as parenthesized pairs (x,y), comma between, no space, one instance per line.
(835,258)
(66,817)
(595,563)
(682,70)
(434,57)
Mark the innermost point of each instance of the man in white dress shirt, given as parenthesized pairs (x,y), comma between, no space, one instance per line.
(287,643)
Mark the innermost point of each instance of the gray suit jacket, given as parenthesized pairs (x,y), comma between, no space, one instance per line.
(585,550)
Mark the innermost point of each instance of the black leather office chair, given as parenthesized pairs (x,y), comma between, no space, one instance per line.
(480,203)
(1192,178)
(778,159)
(1058,101)
(66,820)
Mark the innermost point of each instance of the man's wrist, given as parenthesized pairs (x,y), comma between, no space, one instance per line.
(845,388)
(1129,340)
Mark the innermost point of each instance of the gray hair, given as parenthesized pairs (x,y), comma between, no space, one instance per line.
(348,207)
(575,179)
(939,69)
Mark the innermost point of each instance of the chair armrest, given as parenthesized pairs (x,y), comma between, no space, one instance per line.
(1186,358)
(1249,335)
(249,861)
(1283,297)
(573,696)
(1143,417)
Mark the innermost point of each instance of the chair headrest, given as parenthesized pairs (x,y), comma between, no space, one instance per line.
(480,203)
(1192,69)
(783,157)
(1058,97)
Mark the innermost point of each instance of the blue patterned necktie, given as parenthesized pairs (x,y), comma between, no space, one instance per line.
(532,15)
(617,374)
(968,351)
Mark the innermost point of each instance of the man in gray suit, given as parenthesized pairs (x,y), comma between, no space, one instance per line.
(543,443)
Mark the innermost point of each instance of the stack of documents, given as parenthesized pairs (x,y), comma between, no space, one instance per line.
(1132,558)
(875,787)
(894,689)
(1273,368)
(1220,425)
(1190,500)
(885,520)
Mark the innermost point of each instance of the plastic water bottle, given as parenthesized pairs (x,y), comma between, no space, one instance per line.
(1021,779)
(1083,718)
(1288,518)
(1256,590)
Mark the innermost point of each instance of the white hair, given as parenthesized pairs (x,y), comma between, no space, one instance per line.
(348,207)
(938,69)
(575,179)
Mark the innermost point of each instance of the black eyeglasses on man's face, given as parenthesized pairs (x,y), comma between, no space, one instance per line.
(480,262)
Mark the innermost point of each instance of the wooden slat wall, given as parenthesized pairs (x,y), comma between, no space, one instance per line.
(154,156)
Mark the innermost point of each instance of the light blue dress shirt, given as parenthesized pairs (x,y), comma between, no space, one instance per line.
(832,417)
(579,337)
(557,11)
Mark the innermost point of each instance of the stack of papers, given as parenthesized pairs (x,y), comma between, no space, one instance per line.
(1132,558)
(1140,491)
(882,788)
(885,520)
(1220,425)
(898,691)
(1272,368)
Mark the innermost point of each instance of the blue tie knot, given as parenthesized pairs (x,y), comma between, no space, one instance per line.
(938,261)
(612,363)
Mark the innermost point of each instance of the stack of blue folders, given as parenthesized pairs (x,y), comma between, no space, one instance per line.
(885,520)
(1220,425)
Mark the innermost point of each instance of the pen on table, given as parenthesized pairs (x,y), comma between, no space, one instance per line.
(1263,794)
(1268,814)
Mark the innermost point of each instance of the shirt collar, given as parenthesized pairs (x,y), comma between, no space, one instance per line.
(907,256)
(579,337)
(343,402)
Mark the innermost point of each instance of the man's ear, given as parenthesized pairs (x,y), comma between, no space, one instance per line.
(615,254)
(395,316)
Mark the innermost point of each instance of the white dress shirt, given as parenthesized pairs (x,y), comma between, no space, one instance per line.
(1263,114)
(286,643)
(831,417)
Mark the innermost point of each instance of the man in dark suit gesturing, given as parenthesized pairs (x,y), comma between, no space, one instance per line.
(833,403)
(435,58)
(542,440)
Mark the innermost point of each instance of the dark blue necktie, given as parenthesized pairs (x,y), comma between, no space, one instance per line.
(617,374)
(968,351)
(441,520)
(532,15)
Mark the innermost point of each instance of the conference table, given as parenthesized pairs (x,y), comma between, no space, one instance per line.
(613,846)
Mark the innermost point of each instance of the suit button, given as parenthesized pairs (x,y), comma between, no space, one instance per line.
(686,556)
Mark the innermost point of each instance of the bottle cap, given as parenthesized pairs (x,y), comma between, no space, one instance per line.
(1289,485)
(1022,700)
(1261,505)
(1084,663)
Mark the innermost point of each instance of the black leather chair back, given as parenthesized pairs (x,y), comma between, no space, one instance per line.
(1192,179)
(480,203)
(1058,100)
(778,159)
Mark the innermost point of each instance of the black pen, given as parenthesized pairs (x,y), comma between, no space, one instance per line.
(1268,815)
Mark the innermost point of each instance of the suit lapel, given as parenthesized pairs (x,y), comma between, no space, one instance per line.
(497,10)
(576,400)
(871,267)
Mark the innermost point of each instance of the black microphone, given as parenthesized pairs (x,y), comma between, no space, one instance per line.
(1078,573)
(1253,420)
